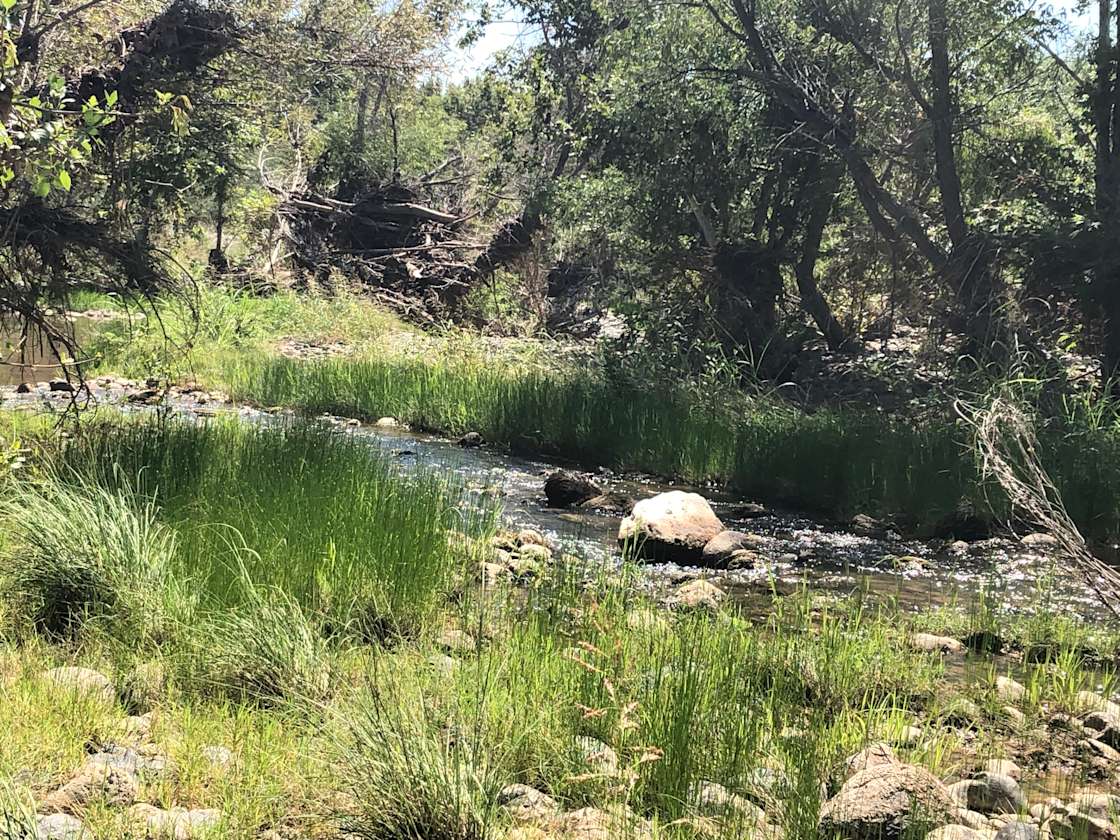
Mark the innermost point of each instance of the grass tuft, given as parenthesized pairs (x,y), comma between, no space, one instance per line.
(87,556)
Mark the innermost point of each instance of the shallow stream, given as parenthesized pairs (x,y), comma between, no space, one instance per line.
(798,550)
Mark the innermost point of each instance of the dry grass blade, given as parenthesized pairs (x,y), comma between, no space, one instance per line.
(1009,454)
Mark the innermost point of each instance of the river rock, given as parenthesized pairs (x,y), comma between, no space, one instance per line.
(955,832)
(1004,767)
(60,386)
(597,824)
(983,641)
(610,502)
(886,803)
(874,755)
(1077,826)
(1103,750)
(1099,805)
(565,489)
(387,423)
(990,793)
(1105,725)
(1090,701)
(174,823)
(961,713)
(535,553)
(84,682)
(93,783)
(1039,540)
(1018,831)
(527,537)
(135,729)
(720,548)
(929,643)
(527,804)
(714,800)
(971,819)
(1009,690)
(696,595)
(454,640)
(673,526)
(863,525)
(471,440)
(146,763)
(599,757)
(61,827)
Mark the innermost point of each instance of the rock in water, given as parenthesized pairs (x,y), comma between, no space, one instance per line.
(673,526)
(565,489)
(886,803)
(696,595)
(929,643)
(471,440)
(719,550)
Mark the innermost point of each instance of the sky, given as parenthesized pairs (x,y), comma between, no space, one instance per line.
(507,30)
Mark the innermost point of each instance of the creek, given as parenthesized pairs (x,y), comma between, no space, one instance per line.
(1002,574)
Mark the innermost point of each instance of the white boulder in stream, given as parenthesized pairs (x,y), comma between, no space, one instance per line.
(673,526)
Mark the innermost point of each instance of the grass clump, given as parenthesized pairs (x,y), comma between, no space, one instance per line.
(407,778)
(85,556)
(267,650)
(322,516)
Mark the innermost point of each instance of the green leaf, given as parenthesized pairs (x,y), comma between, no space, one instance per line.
(64,179)
(41,188)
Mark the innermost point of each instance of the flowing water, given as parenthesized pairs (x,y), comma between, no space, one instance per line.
(798,550)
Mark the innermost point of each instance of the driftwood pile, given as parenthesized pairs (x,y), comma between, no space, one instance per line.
(411,255)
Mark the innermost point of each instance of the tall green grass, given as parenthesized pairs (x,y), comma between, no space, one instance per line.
(322,516)
(835,462)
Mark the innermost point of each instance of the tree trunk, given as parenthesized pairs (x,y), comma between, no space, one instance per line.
(812,301)
(948,178)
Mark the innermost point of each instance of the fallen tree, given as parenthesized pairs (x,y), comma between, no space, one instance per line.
(410,255)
